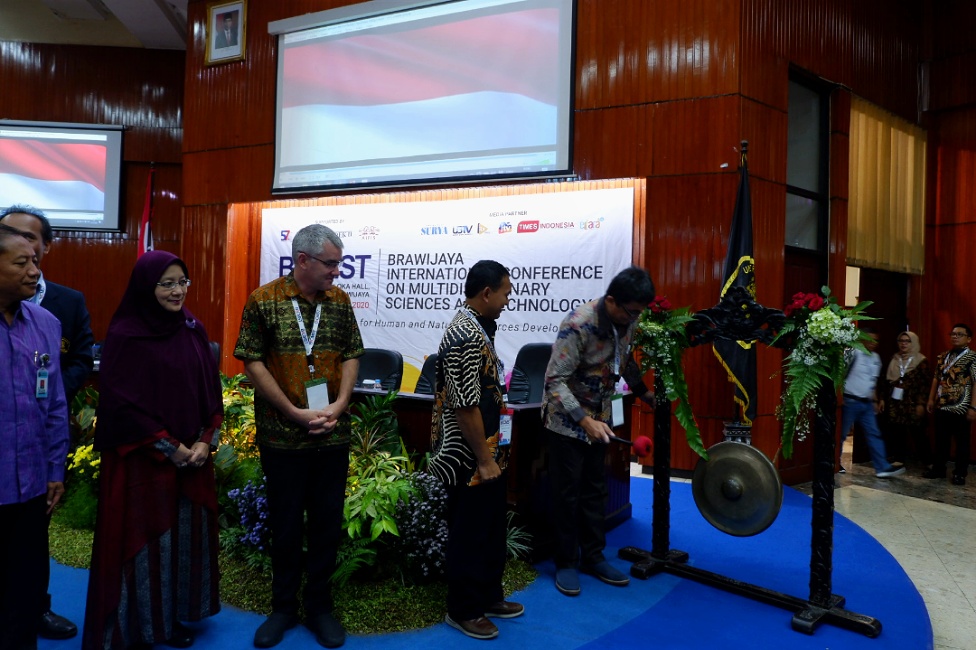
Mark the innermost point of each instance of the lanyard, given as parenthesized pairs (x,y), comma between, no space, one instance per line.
(948,364)
(307,340)
(616,350)
(41,290)
(491,346)
(901,366)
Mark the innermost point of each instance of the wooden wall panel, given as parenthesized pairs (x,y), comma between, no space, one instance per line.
(599,150)
(632,52)
(243,174)
(765,128)
(871,46)
(140,89)
(954,151)
(945,89)
(696,136)
(203,250)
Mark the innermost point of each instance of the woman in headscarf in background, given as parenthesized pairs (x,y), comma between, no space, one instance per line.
(154,560)
(905,392)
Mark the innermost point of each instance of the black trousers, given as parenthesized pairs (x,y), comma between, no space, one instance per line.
(24,570)
(947,427)
(577,476)
(311,482)
(477,528)
(898,436)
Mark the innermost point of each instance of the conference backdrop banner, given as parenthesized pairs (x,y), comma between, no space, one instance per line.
(404,264)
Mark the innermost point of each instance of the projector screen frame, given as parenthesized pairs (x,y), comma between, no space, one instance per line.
(112,221)
(561,169)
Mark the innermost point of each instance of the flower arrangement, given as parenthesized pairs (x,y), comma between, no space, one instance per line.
(661,338)
(422,522)
(84,463)
(819,331)
(250,539)
(80,504)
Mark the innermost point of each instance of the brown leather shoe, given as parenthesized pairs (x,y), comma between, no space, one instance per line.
(504,609)
(476,628)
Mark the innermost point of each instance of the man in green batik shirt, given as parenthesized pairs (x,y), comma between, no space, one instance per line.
(300,342)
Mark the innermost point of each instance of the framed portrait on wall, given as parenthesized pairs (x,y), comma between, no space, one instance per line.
(225,31)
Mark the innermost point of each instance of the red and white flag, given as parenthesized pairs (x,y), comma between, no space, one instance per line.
(145,225)
(383,80)
(52,175)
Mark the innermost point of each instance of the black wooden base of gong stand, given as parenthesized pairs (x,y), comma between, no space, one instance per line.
(822,606)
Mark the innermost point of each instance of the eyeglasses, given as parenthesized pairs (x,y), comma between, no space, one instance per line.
(630,314)
(904,340)
(957,334)
(169,285)
(331,265)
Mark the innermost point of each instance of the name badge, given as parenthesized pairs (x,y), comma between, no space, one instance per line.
(617,410)
(897,393)
(505,428)
(40,388)
(317,394)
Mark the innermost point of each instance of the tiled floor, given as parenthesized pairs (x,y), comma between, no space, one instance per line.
(929,526)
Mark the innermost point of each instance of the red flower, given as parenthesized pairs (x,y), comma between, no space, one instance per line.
(815,303)
(659,304)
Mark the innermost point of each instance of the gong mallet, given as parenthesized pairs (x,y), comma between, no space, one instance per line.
(642,444)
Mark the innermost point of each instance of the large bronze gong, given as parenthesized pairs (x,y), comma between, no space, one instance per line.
(738,490)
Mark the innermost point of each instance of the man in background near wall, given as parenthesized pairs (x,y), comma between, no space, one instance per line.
(469,456)
(33,441)
(861,404)
(951,400)
(300,344)
(591,353)
(69,307)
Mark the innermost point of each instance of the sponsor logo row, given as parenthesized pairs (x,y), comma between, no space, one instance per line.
(369,233)
(520,227)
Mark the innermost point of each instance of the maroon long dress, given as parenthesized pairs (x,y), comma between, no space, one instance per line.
(154,560)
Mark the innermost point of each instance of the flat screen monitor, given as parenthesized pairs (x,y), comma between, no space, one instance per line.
(70,171)
(387,94)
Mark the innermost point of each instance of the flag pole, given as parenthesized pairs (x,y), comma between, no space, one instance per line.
(145,224)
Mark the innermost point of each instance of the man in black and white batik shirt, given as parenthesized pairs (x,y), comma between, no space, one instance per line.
(468,401)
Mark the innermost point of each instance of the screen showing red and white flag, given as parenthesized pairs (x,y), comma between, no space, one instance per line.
(463,89)
(71,174)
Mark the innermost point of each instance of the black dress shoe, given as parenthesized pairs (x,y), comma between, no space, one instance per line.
(56,627)
(272,631)
(327,630)
(958,480)
(182,636)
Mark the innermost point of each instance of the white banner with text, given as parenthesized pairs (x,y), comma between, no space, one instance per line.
(404,264)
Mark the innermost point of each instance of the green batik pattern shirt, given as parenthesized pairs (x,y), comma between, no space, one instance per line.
(269,333)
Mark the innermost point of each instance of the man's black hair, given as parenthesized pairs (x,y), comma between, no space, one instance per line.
(633,284)
(486,273)
(963,326)
(47,234)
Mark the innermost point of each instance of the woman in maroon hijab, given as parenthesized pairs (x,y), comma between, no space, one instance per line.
(154,561)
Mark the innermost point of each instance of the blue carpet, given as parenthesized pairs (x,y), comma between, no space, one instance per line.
(664,612)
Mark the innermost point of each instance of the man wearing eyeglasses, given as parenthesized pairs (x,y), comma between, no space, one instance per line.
(77,359)
(951,400)
(33,441)
(300,344)
(591,353)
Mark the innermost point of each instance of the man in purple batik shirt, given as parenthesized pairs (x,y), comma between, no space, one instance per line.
(33,440)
